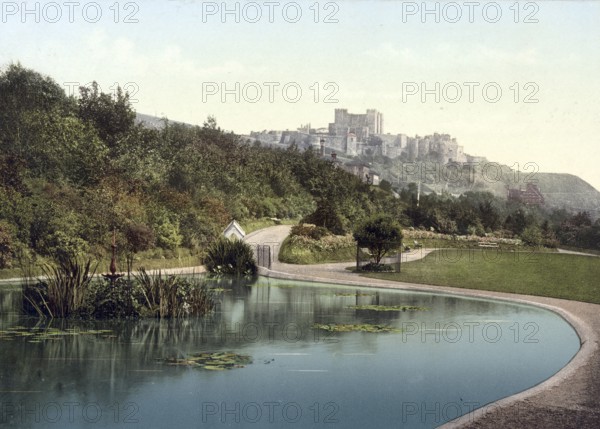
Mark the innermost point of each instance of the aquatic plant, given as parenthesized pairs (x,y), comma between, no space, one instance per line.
(61,291)
(365,327)
(173,296)
(212,361)
(388,307)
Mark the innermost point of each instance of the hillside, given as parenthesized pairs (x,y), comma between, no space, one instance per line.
(75,169)
(570,192)
(561,191)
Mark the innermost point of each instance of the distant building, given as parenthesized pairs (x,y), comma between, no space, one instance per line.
(234,230)
(531,195)
(360,124)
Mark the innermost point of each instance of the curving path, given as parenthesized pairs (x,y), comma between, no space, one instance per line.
(569,399)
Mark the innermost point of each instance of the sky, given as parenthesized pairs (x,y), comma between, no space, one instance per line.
(514,81)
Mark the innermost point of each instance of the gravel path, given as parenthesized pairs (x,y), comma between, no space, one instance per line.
(569,399)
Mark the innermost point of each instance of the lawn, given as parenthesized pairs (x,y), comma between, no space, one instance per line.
(543,274)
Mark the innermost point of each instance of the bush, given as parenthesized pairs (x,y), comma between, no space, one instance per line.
(300,249)
(310,231)
(532,236)
(233,257)
(107,301)
(326,216)
(377,268)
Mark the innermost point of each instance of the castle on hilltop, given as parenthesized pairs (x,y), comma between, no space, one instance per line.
(363,134)
(353,134)
(361,125)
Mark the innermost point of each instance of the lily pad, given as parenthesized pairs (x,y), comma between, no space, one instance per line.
(37,334)
(388,307)
(366,327)
(212,361)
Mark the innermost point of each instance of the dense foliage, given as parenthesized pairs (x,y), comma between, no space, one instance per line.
(72,169)
(310,244)
(69,289)
(380,234)
(480,213)
(233,257)
(75,168)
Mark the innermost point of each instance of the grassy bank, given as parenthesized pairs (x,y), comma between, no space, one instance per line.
(553,275)
(149,262)
(294,252)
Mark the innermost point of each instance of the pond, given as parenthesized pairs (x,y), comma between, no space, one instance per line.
(442,357)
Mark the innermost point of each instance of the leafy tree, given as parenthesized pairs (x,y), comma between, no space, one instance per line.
(6,245)
(327,217)
(112,116)
(139,237)
(516,222)
(24,91)
(380,235)
(167,231)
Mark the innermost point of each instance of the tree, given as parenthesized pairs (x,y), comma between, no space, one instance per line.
(380,235)
(24,91)
(112,116)
(139,237)
(385,185)
(326,216)
(6,245)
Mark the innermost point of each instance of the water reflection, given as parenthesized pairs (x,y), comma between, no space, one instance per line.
(458,350)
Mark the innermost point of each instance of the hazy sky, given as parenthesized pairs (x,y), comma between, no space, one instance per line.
(514,81)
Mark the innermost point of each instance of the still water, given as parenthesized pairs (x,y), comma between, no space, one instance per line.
(457,355)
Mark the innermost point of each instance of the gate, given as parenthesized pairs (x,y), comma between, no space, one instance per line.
(263,255)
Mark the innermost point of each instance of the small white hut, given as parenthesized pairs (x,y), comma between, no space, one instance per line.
(234,230)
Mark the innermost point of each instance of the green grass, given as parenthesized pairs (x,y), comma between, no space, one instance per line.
(299,255)
(553,275)
(255,225)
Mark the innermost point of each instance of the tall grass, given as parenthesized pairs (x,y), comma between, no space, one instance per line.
(173,296)
(61,292)
(232,257)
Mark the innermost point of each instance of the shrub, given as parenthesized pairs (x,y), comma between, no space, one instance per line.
(233,257)
(107,301)
(310,231)
(328,217)
(532,236)
(377,268)
(62,293)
